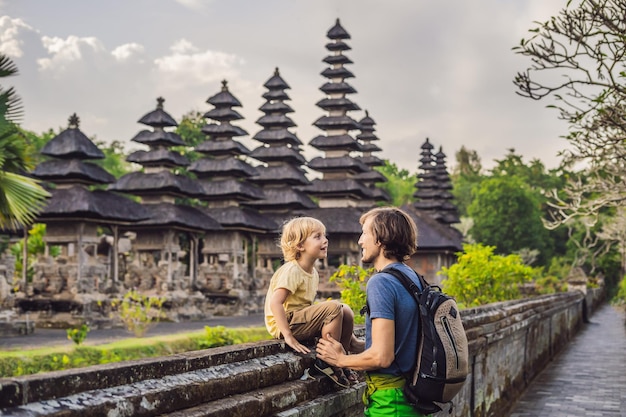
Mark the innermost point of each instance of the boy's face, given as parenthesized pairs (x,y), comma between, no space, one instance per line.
(316,245)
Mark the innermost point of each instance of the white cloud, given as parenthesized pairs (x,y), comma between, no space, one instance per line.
(194,4)
(10,42)
(188,65)
(64,52)
(124,52)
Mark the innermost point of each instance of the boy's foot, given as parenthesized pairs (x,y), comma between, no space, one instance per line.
(335,374)
(351,376)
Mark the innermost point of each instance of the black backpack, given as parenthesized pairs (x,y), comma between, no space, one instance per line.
(442,352)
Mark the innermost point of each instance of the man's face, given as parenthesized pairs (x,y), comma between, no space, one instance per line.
(370,249)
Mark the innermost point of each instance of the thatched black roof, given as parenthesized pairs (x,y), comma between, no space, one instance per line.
(340,72)
(230,189)
(337,59)
(276,107)
(345,164)
(222,130)
(223,114)
(158,138)
(278,153)
(344,188)
(338,88)
(334,142)
(433,235)
(337,32)
(160,157)
(283,199)
(224,98)
(370,176)
(338,220)
(222,148)
(227,167)
(78,203)
(157,183)
(61,171)
(242,218)
(158,117)
(178,216)
(277,136)
(280,174)
(72,144)
(276,82)
(275,120)
(337,46)
(337,103)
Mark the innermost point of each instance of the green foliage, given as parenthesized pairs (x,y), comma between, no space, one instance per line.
(507,215)
(23,363)
(217,336)
(481,277)
(352,280)
(190,130)
(620,297)
(114,161)
(400,184)
(35,247)
(78,334)
(139,312)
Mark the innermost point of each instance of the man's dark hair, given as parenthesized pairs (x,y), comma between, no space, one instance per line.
(394,230)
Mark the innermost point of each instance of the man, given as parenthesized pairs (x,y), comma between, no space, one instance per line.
(389,237)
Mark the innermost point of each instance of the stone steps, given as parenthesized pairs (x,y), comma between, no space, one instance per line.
(256,379)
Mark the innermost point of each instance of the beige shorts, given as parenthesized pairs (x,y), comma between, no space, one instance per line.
(308,322)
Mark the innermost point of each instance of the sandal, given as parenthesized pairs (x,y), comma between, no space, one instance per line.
(351,376)
(335,374)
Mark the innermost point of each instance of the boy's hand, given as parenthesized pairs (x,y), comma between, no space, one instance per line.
(293,343)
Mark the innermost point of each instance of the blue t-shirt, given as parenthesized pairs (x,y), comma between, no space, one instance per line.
(388,299)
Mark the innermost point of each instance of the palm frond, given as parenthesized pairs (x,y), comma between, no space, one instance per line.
(11,108)
(7,66)
(21,199)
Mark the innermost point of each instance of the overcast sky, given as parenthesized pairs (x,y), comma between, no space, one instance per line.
(423,69)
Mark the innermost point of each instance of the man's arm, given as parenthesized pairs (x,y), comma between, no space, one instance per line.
(380,355)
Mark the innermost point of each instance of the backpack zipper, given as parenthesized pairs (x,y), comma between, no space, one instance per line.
(446,326)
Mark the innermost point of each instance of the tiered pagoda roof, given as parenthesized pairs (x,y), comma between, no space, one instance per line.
(371,176)
(68,170)
(222,174)
(339,186)
(157,185)
(433,185)
(281,152)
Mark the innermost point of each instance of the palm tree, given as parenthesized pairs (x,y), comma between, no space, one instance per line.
(21,197)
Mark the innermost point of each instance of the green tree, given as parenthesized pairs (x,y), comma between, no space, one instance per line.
(114,161)
(190,130)
(507,215)
(482,277)
(21,197)
(400,183)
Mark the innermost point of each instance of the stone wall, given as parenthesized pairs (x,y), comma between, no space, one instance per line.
(510,343)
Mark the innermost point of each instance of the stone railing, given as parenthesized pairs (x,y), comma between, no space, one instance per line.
(509,344)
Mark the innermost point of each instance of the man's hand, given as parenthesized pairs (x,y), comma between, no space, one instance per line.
(329,350)
(293,343)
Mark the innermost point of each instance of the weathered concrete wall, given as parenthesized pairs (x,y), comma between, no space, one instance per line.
(509,344)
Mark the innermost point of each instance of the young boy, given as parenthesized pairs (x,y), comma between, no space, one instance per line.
(290,312)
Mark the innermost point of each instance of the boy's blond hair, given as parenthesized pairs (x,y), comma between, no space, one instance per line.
(295,232)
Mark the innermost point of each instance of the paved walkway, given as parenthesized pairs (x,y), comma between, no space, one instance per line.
(588,379)
(58,337)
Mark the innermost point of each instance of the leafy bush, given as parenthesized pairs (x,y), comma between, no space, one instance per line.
(620,297)
(480,277)
(78,334)
(352,280)
(139,312)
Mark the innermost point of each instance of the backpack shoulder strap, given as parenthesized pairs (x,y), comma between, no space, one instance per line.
(407,282)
